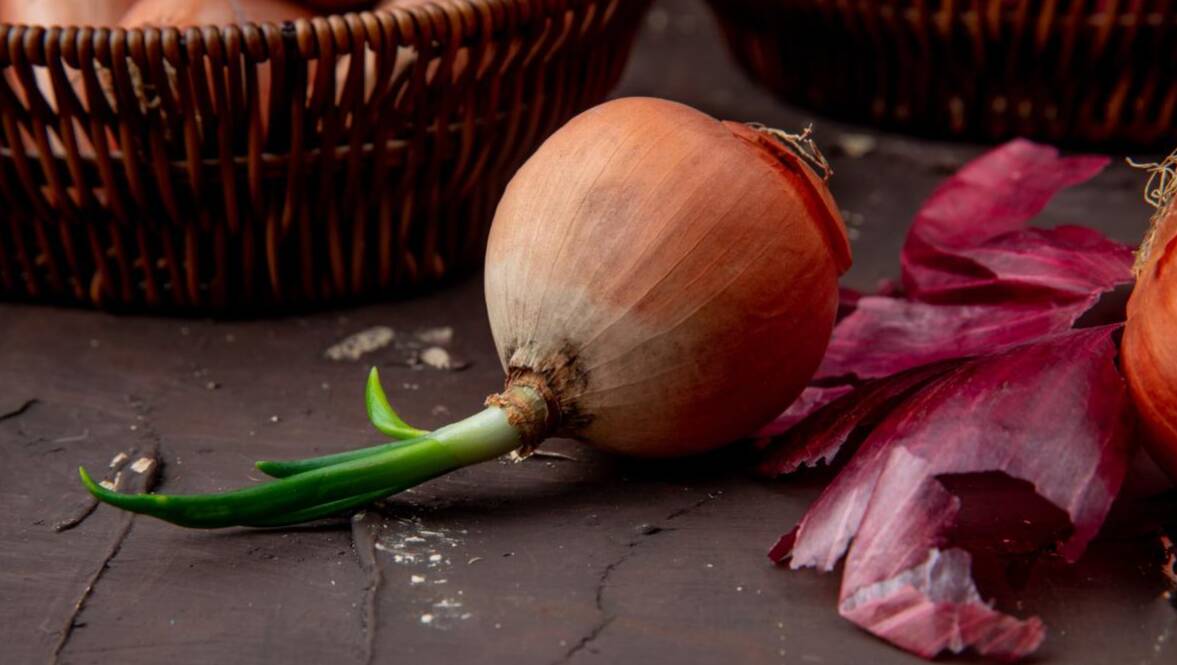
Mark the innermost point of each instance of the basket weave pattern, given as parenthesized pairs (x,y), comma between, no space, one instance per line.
(1071,71)
(261,167)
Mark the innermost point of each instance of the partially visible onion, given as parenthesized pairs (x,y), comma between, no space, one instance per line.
(1150,335)
(338,6)
(197,13)
(63,13)
(186,13)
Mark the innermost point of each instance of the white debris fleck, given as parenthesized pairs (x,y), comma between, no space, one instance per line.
(417,579)
(118,459)
(437,358)
(142,465)
(441,581)
(274,419)
(434,558)
(856,146)
(353,347)
(447,603)
(426,619)
(414,539)
(473,560)
(107,484)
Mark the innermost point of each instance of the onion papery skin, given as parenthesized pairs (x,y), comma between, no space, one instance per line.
(1150,342)
(671,280)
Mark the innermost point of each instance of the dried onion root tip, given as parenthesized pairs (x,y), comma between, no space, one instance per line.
(1149,354)
(659,283)
(1158,193)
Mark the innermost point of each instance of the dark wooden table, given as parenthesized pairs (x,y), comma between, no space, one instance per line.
(543,562)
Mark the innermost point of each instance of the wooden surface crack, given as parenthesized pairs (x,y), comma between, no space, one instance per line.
(137,472)
(19,410)
(136,481)
(646,532)
(363,541)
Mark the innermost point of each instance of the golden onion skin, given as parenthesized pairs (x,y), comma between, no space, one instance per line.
(672,279)
(1150,343)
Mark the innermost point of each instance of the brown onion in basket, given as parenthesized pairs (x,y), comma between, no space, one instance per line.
(188,13)
(338,6)
(63,13)
(1150,335)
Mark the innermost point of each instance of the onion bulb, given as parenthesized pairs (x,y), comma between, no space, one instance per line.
(189,13)
(63,13)
(670,279)
(659,283)
(1149,351)
(338,6)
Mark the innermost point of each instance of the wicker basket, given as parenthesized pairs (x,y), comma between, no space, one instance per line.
(1066,71)
(267,167)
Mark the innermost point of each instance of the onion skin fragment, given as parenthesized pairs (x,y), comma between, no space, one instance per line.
(1150,344)
(668,281)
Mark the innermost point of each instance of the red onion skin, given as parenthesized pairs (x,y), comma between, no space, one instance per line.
(675,277)
(1150,344)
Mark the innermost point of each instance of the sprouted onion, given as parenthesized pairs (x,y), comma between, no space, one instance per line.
(659,283)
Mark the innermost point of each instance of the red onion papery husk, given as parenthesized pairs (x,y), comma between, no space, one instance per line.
(976,279)
(1063,427)
(1150,352)
(969,242)
(821,436)
(970,368)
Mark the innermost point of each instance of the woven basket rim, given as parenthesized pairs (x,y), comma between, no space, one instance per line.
(494,11)
(961,7)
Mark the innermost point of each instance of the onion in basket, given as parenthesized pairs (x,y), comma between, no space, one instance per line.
(63,12)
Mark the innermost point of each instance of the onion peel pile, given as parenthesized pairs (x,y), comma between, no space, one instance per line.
(974,367)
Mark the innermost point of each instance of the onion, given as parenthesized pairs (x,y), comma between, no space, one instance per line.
(672,280)
(338,6)
(659,283)
(186,13)
(63,12)
(1149,352)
